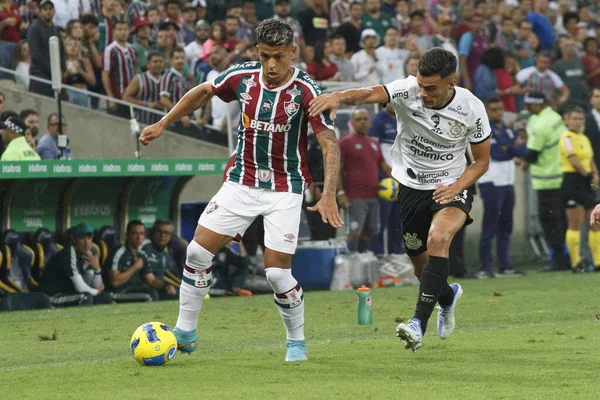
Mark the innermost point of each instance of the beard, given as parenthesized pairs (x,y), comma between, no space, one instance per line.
(34,131)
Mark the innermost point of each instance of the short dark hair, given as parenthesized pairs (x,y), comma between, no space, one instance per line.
(437,61)
(569,16)
(524,22)
(338,36)
(52,115)
(493,58)
(416,14)
(154,53)
(477,15)
(356,3)
(575,109)
(8,114)
(544,54)
(274,33)
(121,21)
(392,28)
(89,19)
(588,40)
(172,2)
(492,100)
(177,50)
(161,222)
(132,223)
(26,113)
(507,18)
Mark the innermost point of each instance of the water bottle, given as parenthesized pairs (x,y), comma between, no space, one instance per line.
(363,296)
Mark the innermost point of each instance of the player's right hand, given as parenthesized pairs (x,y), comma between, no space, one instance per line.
(329,101)
(150,133)
(328,209)
(595,217)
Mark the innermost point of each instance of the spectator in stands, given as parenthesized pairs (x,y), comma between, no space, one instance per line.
(144,89)
(384,130)
(218,34)
(572,72)
(37,36)
(74,29)
(16,147)
(592,127)
(351,30)
(361,159)
(540,78)
(248,22)
(365,61)
(444,39)
(541,24)
(391,58)
(374,18)
(591,62)
(402,19)
(107,20)
(339,58)
(129,269)
(89,23)
(153,15)
(174,32)
(544,130)
(314,21)
(471,46)
(580,180)
(32,121)
(136,9)
(507,38)
(173,19)
(21,63)
(164,43)
(194,52)
(119,69)
(65,11)
(232,26)
(508,88)
(444,8)
(79,73)
(158,258)
(523,50)
(11,23)
(219,110)
(496,188)
(339,12)
(174,84)
(47,147)
(411,66)
(141,44)
(485,84)
(188,25)
(321,68)
(417,32)
(73,276)
(283,10)
(251,53)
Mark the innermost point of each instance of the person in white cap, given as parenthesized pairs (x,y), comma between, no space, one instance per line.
(365,61)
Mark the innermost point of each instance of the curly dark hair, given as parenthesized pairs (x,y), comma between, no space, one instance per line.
(437,61)
(274,33)
(493,58)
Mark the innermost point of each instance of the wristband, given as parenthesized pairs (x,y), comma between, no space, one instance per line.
(340,192)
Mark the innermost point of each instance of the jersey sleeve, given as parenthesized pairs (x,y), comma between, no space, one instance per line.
(401,91)
(320,122)
(535,139)
(566,145)
(225,85)
(480,130)
(556,79)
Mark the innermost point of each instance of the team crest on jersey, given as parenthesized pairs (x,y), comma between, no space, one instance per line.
(249,82)
(412,242)
(457,130)
(267,105)
(291,107)
(211,207)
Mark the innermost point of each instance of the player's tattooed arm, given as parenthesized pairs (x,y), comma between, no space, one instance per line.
(193,100)
(327,206)
(331,101)
(331,161)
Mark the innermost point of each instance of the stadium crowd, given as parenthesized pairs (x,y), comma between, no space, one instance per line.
(150,53)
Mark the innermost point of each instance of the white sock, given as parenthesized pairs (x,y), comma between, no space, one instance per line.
(195,283)
(289,300)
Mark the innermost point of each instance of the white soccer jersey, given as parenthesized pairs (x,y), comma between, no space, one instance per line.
(431,144)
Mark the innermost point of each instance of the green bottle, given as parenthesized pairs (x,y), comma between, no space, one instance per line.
(363,296)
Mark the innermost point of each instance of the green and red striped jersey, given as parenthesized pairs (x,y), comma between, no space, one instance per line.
(149,92)
(174,85)
(272,131)
(119,62)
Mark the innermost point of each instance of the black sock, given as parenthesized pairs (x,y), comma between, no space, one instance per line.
(446,296)
(433,281)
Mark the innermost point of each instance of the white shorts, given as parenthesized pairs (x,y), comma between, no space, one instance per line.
(234,207)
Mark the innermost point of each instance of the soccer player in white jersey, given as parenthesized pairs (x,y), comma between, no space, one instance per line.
(436,122)
(266,175)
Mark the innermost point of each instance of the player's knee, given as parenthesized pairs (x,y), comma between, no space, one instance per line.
(438,240)
(198,258)
(281,280)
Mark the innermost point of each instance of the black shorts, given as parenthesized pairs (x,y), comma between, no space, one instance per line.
(417,208)
(577,191)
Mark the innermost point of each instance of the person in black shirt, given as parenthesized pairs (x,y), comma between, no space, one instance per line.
(351,30)
(315,23)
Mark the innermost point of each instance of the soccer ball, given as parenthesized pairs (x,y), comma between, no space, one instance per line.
(388,189)
(153,343)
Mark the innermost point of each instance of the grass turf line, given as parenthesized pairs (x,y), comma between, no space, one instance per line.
(522,338)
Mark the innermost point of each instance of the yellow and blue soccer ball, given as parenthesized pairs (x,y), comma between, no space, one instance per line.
(153,343)
(388,189)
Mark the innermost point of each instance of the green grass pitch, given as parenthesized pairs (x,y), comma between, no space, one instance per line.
(536,337)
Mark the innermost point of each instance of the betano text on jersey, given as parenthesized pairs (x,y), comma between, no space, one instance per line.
(272,131)
(431,144)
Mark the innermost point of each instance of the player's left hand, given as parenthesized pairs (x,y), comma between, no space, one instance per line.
(328,209)
(444,194)
(93,260)
(595,217)
(170,289)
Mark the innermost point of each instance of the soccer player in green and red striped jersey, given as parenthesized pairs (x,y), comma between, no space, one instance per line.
(266,176)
